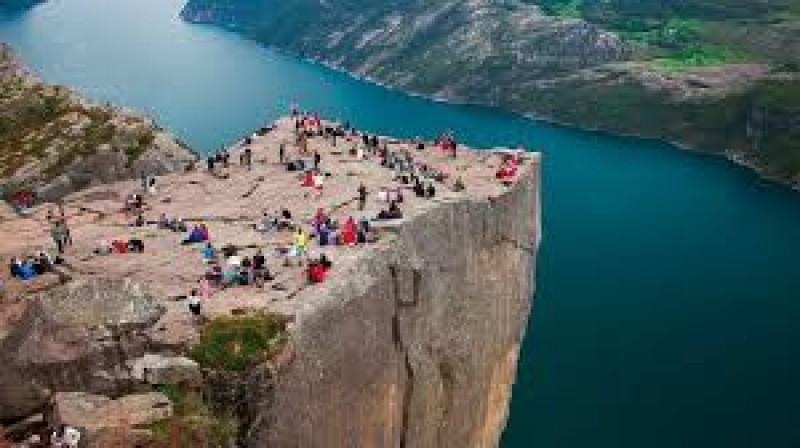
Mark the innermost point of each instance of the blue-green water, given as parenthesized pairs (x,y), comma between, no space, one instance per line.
(667,307)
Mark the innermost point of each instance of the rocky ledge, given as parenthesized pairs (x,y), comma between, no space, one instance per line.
(54,142)
(411,340)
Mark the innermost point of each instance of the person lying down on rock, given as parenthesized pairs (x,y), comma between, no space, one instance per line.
(393,212)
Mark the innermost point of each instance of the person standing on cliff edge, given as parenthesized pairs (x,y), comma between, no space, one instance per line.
(362,197)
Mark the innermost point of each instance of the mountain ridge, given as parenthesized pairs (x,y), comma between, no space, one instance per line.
(637,70)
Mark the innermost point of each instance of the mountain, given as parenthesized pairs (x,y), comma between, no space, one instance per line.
(54,142)
(715,75)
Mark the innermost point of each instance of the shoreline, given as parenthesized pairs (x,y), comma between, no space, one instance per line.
(724,154)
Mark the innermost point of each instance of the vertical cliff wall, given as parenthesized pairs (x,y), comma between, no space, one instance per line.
(417,344)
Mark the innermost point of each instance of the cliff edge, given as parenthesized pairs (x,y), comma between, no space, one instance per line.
(54,142)
(411,338)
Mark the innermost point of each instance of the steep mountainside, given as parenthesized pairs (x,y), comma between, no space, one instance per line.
(55,142)
(715,75)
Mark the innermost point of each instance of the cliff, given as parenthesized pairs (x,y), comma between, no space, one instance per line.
(55,142)
(718,76)
(417,344)
(412,340)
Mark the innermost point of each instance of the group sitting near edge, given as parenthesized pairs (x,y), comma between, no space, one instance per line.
(33,265)
(117,246)
(199,234)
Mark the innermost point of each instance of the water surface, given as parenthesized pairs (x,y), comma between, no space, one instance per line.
(667,307)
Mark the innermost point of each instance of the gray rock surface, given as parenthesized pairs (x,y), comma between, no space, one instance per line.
(104,422)
(53,141)
(416,346)
(75,337)
(159,369)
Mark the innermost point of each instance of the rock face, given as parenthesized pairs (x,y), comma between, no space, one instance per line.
(159,369)
(416,346)
(76,337)
(55,142)
(104,422)
(571,70)
(412,339)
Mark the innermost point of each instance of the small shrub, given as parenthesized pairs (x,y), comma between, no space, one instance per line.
(234,344)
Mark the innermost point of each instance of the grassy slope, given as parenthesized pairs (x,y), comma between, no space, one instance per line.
(44,129)
(760,125)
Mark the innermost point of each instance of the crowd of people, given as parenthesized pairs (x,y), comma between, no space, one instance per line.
(226,268)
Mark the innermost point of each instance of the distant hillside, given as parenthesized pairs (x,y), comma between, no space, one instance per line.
(55,142)
(718,75)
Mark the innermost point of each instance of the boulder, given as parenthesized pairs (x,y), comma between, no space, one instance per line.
(158,369)
(69,334)
(105,422)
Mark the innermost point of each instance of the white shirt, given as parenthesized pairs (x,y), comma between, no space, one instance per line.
(72,437)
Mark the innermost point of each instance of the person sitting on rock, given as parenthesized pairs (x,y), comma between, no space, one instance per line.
(26,270)
(323,235)
(138,222)
(349,232)
(394,212)
(308,179)
(300,242)
(419,189)
(103,248)
(15,267)
(430,192)
(136,245)
(209,254)
(195,236)
(163,222)
(459,185)
(319,218)
(45,261)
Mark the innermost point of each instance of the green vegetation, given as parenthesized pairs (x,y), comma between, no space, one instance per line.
(236,343)
(194,423)
(681,34)
(697,56)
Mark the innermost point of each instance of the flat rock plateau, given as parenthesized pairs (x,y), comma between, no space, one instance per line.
(412,340)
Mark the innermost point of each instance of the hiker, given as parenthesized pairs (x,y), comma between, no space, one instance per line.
(210,163)
(195,306)
(260,272)
(362,196)
(282,152)
(58,233)
(163,222)
(317,160)
(151,185)
(246,158)
(225,159)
